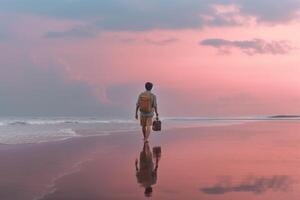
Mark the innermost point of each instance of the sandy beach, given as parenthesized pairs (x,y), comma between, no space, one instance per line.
(251,161)
(83,82)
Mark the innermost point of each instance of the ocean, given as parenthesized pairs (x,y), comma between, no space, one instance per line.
(16,130)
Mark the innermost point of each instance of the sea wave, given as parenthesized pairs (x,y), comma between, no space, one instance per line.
(239,118)
(74,121)
(17,123)
(67,132)
(57,122)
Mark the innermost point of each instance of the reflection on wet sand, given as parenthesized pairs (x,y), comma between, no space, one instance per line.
(257,185)
(252,161)
(147,166)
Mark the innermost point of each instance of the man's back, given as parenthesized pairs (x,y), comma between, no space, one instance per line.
(153,103)
(146,105)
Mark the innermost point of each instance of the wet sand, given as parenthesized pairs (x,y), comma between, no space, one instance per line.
(251,161)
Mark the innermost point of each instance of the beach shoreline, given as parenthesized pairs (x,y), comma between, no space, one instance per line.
(72,168)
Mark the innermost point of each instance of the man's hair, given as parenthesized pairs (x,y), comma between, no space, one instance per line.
(148,86)
(148,191)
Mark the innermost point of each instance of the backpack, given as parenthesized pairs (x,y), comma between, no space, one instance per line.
(145,103)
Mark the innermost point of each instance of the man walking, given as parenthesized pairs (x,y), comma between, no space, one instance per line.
(146,167)
(147,105)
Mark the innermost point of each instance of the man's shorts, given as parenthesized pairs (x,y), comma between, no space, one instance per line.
(145,121)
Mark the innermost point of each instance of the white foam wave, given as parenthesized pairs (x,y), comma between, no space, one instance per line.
(57,122)
(67,132)
(17,123)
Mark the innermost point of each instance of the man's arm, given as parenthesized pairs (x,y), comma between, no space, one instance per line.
(155,109)
(156,164)
(137,108)
(136,165)
(155,106)
(136,112)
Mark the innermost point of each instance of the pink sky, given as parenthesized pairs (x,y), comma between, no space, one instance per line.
(190,79)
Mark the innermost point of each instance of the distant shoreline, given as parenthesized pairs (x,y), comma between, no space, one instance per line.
(285,116)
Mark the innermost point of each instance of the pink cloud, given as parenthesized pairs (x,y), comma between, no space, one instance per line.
(186,74)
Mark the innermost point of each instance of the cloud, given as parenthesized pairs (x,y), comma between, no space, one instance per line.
(249,47)
(127,40)
(74,32)
(156,42)
(161,42)
(48,92)
(2,36)
(272,11)
(131,15)
(124,95)
(255,185)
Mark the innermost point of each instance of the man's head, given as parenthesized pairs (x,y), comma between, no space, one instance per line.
(148,191)
(148,86)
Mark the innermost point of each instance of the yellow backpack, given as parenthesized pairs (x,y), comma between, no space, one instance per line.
(145,103)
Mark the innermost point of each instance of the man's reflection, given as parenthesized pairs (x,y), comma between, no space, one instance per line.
(146,167)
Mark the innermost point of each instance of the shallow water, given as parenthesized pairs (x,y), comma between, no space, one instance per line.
(36,130)
(252,161)
(44,129)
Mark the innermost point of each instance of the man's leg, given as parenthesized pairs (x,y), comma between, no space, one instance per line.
(144,131)
(148,129)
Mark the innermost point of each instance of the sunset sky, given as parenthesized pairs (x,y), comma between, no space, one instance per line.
(205,57)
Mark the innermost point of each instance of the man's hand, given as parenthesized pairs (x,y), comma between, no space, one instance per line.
(136,165)
(136,112)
